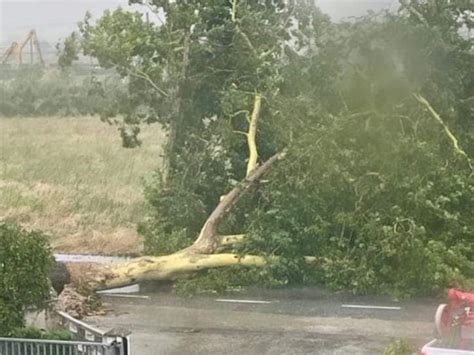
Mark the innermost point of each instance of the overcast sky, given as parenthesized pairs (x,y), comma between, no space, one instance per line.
(54,19)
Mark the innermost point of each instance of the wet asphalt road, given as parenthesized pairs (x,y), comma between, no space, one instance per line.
(303,321)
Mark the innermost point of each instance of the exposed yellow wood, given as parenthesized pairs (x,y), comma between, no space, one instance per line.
(168,267)
(173,266)
(208,239)
(252,134)
(450,135)
(234,10)
(200,255)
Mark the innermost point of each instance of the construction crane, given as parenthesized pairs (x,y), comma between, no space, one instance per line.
(15,50)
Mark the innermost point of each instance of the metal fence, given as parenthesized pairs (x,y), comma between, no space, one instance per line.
(88,341)
(13,346)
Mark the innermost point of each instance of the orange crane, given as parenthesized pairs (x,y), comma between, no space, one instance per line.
(16,50)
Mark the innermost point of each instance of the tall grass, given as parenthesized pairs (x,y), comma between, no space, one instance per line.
(72,178)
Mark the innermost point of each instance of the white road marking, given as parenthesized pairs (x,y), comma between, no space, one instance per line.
(125,296)
(362,306)
(126,289)
(242,301)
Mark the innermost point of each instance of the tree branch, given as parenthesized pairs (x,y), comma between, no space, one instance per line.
(251,136)
(406,4)
(247,41)
(234,10)
(167,267)
(146,77)
(171,267)
(208,239)
(450,135)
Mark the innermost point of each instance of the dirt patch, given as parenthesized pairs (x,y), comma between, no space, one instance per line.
(72,179)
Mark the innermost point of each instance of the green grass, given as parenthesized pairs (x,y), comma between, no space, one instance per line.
(71,178)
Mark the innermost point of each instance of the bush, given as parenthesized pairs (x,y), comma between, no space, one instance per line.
(25,260)
(36,333)
(385,211)
(399,347)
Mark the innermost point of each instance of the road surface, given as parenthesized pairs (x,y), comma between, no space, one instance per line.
(304,321)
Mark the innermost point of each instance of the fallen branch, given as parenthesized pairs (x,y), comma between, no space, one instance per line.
(208,239)
(200,255)
(450,135)
(171,267)
(197,257)
(168,267)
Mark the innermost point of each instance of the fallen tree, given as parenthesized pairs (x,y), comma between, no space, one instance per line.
(168,68)
(201,254)
(368,187)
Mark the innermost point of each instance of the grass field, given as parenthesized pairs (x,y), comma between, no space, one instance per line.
(71,178)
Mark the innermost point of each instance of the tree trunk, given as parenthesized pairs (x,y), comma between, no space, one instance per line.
(209,239)
(201,254)
(169,267)
(177,116)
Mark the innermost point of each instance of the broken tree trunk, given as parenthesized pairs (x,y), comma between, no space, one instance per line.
(197,257)
(201,254)
(208,239)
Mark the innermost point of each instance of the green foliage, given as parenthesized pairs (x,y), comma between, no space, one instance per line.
(176,214)
(36,333)
(220,281)
(25,259)
(384,211)
(37,92)
(69,51)
(399,347)
(371,185)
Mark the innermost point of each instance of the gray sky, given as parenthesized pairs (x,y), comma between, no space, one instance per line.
(55,19)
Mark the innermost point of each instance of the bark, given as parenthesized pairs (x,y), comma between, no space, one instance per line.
(177,115)
(169,267)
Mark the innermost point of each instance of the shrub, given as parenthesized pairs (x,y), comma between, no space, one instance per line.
(25,260)
(36,333)
(399,347)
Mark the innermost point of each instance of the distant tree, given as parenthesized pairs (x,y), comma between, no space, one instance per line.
(68,51)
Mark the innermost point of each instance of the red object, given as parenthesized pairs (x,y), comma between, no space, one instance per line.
(458,298)
(457,314)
